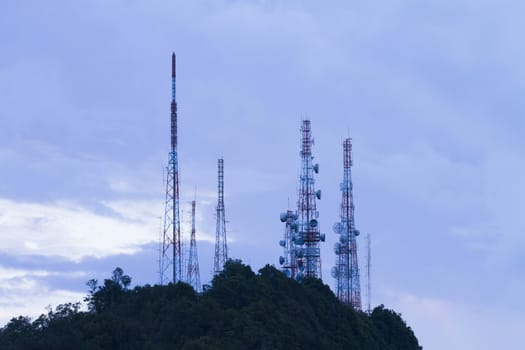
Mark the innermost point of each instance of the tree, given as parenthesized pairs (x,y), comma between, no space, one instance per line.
(101,298)
(239,310)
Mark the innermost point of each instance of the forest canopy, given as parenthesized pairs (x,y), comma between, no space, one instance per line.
(239,310)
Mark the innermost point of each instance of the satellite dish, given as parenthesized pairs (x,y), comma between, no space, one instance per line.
(283,217)
(338,228)
(313,223)
(335,272)
(337,248)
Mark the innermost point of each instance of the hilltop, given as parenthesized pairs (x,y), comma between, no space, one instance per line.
(239,310)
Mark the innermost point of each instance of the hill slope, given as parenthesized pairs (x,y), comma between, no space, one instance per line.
(241,310)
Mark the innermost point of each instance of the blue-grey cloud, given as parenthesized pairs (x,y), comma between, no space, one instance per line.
(430,93)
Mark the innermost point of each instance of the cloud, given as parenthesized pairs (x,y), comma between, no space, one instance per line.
(431,94)
(442,324)
(26,293)
(72,231)
(500,197)
(134,210)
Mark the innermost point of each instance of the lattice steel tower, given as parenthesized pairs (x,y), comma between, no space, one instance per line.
(289,260)
(193,275)
(171,233)
(221,248)
(368,268)
(302,236)
(346,269)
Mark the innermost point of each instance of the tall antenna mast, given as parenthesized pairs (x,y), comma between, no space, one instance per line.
(221,249)
(193,275)
(346,269)
(368,269)
(302,256)
(171,233)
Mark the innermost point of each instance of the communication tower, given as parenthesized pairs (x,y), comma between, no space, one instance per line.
(289,260)
(302,236)
(171,239)
(221,248)
(346,269)
(368,268)
(193,275)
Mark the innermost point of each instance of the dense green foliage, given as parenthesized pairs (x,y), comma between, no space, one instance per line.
(241,310)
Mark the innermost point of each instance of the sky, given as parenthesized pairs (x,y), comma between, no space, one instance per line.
(430,93)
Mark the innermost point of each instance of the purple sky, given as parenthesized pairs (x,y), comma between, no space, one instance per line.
(431,93)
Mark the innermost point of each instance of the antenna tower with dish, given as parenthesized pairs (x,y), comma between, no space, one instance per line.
(346,269)
(302,255)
